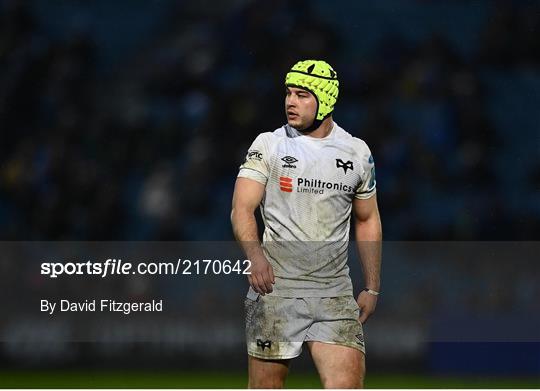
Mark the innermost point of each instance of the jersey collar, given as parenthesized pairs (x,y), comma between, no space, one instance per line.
(293,132)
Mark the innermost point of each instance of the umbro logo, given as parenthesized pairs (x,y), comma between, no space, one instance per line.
(264,344)
(289,160)
(346,166)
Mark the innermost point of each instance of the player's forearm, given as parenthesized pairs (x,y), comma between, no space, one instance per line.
(245,231)
(368,240)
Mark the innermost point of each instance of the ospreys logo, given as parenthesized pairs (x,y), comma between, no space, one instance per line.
(346,166)
(264,344)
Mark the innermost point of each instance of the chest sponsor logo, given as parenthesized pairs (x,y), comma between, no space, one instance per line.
(289,161)
(345,165)
(286,184)
(313,186)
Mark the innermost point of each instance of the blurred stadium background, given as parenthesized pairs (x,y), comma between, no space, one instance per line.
(127,120)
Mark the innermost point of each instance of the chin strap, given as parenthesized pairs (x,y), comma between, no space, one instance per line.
(316,123)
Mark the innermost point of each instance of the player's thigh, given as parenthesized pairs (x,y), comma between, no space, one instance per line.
(338,366)
(267,373)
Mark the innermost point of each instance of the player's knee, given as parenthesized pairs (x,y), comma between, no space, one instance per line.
(266,382)
(344,382)
(350,379)
(267,374)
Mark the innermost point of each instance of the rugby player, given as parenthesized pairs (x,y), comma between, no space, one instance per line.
(308,177)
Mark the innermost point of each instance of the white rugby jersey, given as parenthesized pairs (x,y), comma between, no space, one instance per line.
(310,184)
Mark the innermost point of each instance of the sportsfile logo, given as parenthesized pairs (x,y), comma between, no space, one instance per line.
(314,186)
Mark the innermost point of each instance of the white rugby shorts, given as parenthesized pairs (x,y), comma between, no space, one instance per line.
(277,327)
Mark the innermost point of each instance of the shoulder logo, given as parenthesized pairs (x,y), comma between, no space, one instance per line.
(289,160)
(253,154)
(345,165)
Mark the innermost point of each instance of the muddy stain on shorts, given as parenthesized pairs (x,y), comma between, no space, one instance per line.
(276,327)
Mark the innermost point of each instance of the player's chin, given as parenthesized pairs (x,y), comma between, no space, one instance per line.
(295,123)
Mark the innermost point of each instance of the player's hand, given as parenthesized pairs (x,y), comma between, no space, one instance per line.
(262,277)
(367,303)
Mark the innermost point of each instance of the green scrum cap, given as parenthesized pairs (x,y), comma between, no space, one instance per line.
(319,78)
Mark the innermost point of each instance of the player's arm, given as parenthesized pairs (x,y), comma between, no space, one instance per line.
(246,198)
(368,235)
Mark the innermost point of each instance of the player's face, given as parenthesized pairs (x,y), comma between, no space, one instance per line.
(300,107)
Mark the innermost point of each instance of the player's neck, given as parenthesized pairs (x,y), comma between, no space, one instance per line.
(324,129)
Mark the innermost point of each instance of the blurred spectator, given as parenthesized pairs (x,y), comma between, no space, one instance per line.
(145,144)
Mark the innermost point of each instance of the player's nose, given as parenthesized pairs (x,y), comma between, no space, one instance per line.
(290,103)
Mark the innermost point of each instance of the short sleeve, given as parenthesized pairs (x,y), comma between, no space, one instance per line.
(367,187)
(255,165)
